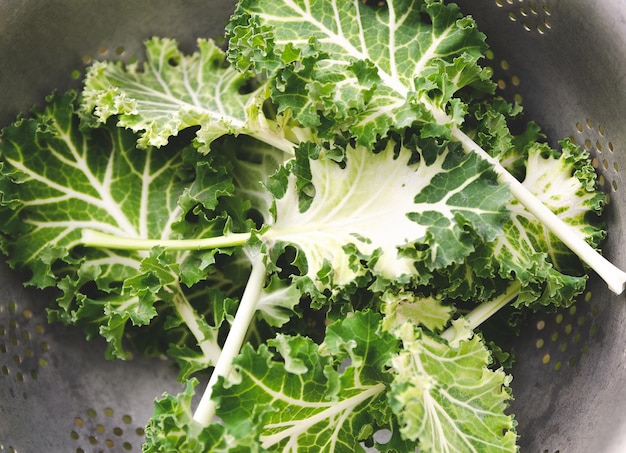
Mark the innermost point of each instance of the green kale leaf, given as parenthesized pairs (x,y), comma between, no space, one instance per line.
(445,396)
(348,65)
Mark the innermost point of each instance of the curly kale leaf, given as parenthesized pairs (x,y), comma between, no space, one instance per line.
(347,65)
(60,176)
(447,398)
(172,91)
(299,396)
(429,204)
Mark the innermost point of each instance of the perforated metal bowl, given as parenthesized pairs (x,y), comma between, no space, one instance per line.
(566,62)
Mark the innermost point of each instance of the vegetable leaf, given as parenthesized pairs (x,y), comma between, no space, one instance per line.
(565,182)
(445,396)
(432,202)
(402,306)
(172,428)
(59,177)
(172,91)
(416,63)
(101,182)
(364,68)
(302,398)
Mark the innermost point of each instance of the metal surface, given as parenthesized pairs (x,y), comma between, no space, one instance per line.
(565,60)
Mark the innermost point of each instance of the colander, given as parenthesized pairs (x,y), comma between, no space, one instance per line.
(565,61)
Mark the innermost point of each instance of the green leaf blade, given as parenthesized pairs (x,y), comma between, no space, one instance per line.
(173,91)
(305,401)
(60,176)
(406,42)
(447,399)
(433,196)
(68,180)
(549,272)
(169,93)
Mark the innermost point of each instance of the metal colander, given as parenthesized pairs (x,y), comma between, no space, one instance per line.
(566,63)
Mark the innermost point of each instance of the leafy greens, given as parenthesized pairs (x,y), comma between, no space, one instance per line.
(323,215)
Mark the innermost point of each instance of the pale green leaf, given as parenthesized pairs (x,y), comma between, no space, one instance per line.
(527,249)
(365,67)
(60,177)
(172,91)
(431,196)
(447,398)
(278,302)
(401,307)
(302,398)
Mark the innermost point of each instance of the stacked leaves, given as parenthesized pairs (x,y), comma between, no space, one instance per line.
(315,176)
